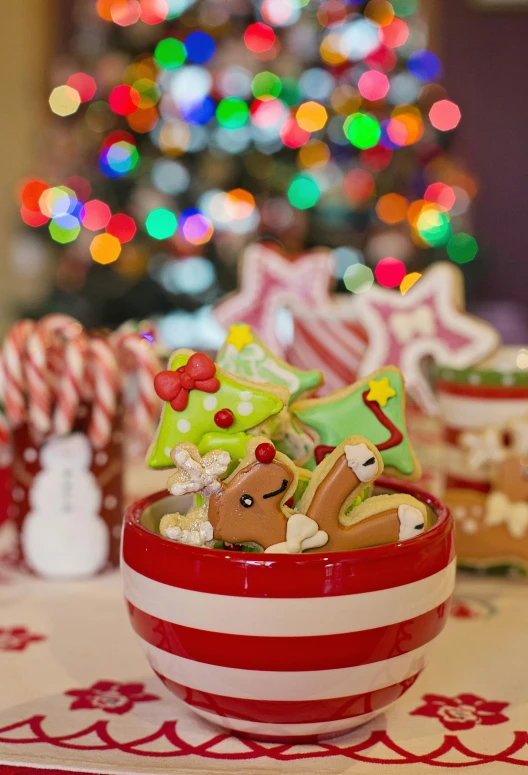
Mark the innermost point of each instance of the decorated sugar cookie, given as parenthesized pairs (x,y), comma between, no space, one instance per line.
(245,355)
(428,320)
(208,407)
(253,505)
(375,407)
(267,282)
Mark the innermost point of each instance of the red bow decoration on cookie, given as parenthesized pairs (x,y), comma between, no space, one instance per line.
(197,374)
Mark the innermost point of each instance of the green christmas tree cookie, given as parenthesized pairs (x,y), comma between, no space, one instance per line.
(209,407)
(245,355)
(374,407)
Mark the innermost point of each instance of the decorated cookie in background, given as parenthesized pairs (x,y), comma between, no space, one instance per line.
(209,407)
(429,320)
(330,339)
(267,282)
(252,505)
(245,355)
(375,407)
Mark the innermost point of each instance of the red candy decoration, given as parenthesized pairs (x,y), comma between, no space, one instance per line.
(224,418)
(197,374)
(265,453)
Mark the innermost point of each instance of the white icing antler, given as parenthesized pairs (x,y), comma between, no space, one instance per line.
(196,474)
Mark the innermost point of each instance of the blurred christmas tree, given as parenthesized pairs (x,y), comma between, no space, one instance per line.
(183,130)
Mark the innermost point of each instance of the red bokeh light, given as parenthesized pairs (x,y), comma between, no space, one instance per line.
(33,217)
(124,100)
(121,226)
(259,37)
(95,215)
(119,136)
(441,194)
(292,135)
(445,115)
(390,272)
(376,158)
(373,85)
(81,187)
(394,34)
(358,186)
(31,193)
(154,11)
(383,58)
(84,84)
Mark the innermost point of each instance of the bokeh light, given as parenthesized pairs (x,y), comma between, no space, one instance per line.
(195,227)
(105,248)
(170,53)
(359,186)
(161,223)
(31,192)
(118,159)
(392,208)
(84,85)
(373,85)
(358,278)
(311,116)
(259,37)
(390,272)
(433,226)
(121,226)
(444,115)
(64,100)
(266,86)
(462,248)
(95,215)
(424,65)
(303,192)
(362,130)
(64,228)
(200,47)
(232,113)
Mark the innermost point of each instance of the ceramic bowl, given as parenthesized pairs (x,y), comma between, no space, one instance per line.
(287,647)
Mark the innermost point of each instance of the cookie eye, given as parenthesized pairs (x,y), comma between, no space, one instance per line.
(246,501)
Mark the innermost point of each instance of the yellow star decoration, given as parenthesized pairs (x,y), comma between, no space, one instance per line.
(380,391)
(239,336)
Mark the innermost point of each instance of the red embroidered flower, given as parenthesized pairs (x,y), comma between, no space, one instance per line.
(110,696)
(464,711)
(197,374)
(17,638)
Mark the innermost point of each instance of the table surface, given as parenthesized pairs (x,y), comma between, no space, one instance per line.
(77,695)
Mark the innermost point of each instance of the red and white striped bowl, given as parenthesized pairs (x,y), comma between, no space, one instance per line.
(289,647)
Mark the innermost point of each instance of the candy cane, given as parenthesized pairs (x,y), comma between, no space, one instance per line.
(105,375)
(14,388)
(138,357)
(70,386)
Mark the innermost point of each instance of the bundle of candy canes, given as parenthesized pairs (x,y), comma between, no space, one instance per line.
(49,368)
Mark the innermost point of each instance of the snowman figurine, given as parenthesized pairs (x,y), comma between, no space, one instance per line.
(63,535)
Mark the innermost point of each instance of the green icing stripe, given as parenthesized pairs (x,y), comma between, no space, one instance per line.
(483,377)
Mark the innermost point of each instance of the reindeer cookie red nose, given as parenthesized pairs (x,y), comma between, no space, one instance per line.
(265,453)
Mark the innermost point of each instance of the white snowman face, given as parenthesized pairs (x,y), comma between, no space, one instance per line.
(71,452)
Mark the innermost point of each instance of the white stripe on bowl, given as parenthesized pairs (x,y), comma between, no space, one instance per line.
(286,686)
(288,617)
(287,730)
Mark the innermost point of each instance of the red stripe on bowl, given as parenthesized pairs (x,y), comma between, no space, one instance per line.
(482,391)
(289,576)
(294,712)
(320,652)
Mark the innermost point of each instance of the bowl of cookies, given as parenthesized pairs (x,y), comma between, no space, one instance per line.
(280,598)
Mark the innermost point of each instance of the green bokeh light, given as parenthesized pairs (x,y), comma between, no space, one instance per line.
(462,248)
(291,92)
(232,113)
(161,223)
(362,130)
(358,278)
(303,192)
(170,53)
(404,7)
(434,227)
(266,85)
(62,235)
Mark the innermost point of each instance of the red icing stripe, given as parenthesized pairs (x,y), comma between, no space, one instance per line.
(482,391)
(293,712)
(321,652)
(289,576)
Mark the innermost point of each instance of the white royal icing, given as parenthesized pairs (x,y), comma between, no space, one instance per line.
(357,455)
(210,403)
(411,522)
(183,425)
(500,510)
(302,533)
(245,408)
